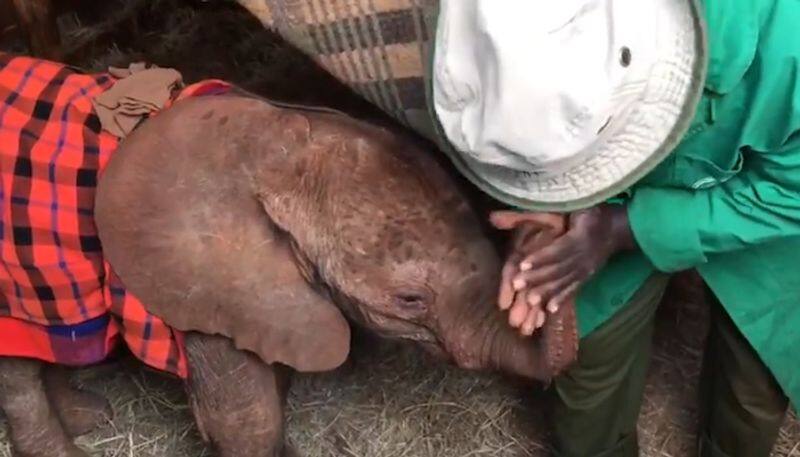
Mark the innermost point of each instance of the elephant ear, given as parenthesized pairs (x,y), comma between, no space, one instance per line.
(181,228)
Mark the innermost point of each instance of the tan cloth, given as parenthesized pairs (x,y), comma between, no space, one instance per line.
(140,92)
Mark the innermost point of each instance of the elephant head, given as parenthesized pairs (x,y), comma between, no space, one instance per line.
(231,215)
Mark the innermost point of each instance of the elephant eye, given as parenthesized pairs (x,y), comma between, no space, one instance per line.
(415,301)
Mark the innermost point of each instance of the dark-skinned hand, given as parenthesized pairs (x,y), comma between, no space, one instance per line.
(528,230)
(539,281)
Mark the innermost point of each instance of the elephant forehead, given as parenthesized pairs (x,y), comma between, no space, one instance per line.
(389,203)
(392,188)
(399,234)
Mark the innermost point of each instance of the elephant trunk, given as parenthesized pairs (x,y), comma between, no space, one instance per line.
(481,339)
(514,354)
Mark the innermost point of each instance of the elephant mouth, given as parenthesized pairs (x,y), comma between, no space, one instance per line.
(393,328)
(426,340)
(389,326)
(436,351)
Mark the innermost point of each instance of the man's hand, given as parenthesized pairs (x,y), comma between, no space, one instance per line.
(529,228)
(550,276)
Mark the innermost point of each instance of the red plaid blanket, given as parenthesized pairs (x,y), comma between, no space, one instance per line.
(59,299)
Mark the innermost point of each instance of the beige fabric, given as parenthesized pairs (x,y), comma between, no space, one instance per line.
(140,92)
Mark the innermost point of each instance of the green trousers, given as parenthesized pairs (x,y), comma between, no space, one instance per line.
(597,401)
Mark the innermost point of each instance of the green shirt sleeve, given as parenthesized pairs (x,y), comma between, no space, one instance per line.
(678,228)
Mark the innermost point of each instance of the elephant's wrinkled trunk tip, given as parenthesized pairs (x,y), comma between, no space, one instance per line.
(511,353)
(491,344)
(519,356)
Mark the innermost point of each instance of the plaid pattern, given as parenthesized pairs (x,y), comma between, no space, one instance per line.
(379,48)
(72,345)
(59,299)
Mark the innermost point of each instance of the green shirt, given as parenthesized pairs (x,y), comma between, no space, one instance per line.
(727,201)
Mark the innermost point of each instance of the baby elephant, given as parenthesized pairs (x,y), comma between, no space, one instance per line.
(257,232)
(267,226)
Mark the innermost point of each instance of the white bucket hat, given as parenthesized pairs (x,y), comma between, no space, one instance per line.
(560,105)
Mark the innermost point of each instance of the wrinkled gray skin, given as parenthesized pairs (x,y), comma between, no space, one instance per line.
(256,228)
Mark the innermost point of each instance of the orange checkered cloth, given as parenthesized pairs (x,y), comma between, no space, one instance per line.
(60,301)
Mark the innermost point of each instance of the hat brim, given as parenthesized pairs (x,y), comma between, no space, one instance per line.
(620,160)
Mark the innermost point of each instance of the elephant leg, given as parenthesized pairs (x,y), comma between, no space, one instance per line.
(80,411)
(35,429)
(237,399)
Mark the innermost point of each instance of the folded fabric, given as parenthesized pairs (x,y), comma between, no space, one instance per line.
(141,92)
(121,73)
